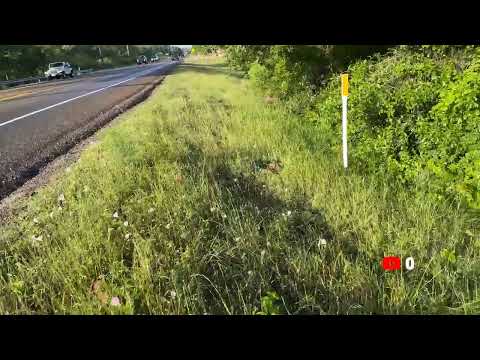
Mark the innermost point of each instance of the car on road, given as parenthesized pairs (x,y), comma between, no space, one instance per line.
(142,59)
(154,58)
(59,70)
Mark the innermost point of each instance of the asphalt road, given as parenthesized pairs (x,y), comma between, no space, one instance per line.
(36,121)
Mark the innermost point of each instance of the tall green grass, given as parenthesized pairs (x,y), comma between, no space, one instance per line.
(174,211)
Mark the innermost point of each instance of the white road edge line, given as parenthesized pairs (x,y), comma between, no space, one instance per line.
(77,97)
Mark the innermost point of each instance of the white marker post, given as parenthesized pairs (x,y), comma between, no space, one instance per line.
(344,78)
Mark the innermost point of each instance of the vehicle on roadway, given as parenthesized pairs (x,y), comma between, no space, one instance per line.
(59,70)
(154,58)
(142,59)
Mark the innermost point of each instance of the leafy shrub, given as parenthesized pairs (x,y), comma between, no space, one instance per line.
(413,116)
(258,75)
(287,70)
(453,137)
(271,304)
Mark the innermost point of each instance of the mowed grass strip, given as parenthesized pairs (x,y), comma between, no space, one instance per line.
(205,199)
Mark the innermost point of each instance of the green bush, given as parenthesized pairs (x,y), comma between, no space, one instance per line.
(294,73)
(258,75)
(453,137)
(413,116)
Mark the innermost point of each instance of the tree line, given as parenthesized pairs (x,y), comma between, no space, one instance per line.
(19,61)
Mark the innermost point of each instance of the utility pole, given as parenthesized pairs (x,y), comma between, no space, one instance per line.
(128,51)
(100,53)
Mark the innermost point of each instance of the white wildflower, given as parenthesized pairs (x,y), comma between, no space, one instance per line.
(173,294)
(262,253)
(237,239)
(35,221)
(125,223)
(224,216)
(115,301)
(151,210)
(322,242)
(115,215)
(289,213)
(212,209)
(167,226)
(61,197)
(127,236)
(235,180)
(250,272)
(37,238)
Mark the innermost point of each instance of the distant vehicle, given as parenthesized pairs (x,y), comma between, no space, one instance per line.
(142,59)
(175,58)
(154,58)
(59,70)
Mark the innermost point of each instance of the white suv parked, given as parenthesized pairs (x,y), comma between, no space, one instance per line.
(59,70)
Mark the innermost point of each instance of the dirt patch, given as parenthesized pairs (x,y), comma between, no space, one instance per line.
(64,154)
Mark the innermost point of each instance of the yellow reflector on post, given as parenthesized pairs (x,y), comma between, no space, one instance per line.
(344,84)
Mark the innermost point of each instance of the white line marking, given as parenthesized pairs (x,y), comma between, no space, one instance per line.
(77,97)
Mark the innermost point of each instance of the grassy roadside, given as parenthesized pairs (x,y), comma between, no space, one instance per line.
(205,199)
